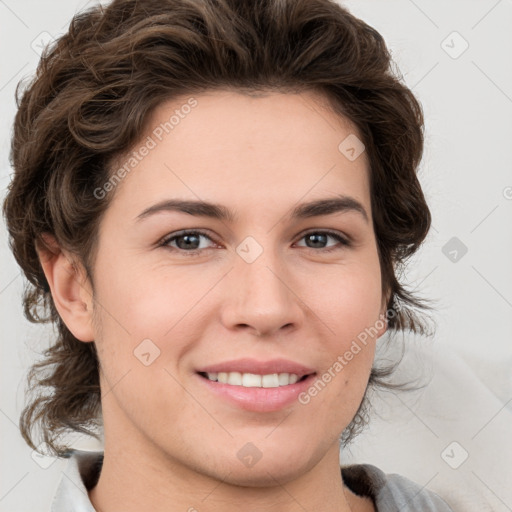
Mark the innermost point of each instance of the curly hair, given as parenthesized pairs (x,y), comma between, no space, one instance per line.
(88,103)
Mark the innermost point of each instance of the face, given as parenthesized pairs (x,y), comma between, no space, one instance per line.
(270,288)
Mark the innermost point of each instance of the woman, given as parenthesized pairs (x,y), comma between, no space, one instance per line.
(211,201)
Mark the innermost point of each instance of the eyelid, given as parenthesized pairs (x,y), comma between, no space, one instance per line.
(345,239)
(182,232)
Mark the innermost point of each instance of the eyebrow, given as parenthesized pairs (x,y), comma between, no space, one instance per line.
(199,208)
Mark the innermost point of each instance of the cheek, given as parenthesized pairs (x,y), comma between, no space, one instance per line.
(146,301)
(349,308)
(348,300)
(144,333)
(150,317)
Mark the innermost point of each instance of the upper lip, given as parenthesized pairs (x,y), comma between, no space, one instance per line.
(259,367)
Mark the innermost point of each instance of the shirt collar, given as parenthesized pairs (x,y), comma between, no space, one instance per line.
(80,475)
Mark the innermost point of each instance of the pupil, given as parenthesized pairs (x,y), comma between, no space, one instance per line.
(187,245)
(315,236)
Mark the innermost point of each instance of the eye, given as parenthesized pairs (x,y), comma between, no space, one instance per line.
(186,241)
(317,238)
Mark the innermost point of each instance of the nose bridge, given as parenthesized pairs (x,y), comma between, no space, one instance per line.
(261,295)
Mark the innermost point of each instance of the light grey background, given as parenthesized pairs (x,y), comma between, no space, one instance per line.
(467,177)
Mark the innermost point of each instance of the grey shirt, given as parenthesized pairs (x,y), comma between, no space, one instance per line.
(390,493)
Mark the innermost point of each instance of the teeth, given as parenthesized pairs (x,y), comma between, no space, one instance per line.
(270,381)
(251,380)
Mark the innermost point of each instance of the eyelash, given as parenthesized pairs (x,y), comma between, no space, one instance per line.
(195,252)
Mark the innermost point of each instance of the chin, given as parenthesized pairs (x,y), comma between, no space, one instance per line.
(268,467)
(271,473)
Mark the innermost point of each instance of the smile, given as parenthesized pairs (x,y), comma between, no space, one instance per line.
(252,380)
(256,393)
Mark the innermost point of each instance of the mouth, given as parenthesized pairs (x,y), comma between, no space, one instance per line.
(252,380)
(261,393)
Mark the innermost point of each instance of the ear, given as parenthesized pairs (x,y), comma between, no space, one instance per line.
(70,288)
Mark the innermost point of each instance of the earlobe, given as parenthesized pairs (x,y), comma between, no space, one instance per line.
(71,290)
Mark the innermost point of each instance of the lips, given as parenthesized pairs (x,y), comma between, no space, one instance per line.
(256,367)
(257,399)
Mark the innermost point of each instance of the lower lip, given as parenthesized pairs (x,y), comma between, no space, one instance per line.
(259,399)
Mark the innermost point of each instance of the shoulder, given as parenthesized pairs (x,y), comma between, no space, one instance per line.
(391,492)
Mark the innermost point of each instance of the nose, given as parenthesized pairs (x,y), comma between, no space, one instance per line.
(263,298)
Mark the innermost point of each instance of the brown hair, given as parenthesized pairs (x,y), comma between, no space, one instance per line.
(88,103)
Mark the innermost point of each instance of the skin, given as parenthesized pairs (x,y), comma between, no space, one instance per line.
(170,443)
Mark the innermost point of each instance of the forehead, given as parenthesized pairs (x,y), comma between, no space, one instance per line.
(244,151)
